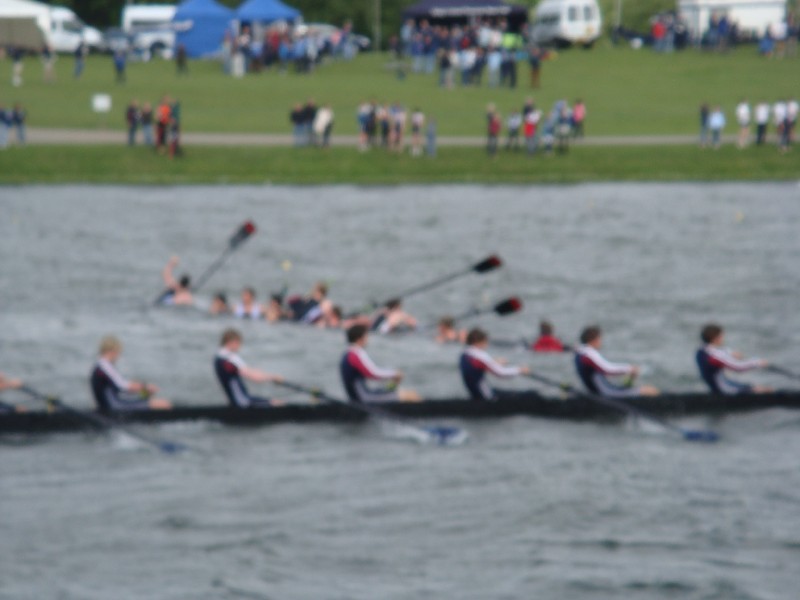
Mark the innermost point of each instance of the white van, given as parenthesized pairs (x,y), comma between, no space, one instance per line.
(566,22)
(67,31)
(150,27)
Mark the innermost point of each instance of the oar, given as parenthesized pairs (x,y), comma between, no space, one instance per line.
(504,307)
(247,229)
(782,371)
(490,263)
(104,423)
(691,435)
(439,434)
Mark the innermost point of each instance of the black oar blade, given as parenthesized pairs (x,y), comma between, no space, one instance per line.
(508,306)
(703,436)
(247,229)
(488,264)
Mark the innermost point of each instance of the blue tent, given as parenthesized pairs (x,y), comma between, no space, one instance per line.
(200,26)
(266,11)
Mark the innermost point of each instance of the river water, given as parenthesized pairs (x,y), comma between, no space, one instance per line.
(527,508)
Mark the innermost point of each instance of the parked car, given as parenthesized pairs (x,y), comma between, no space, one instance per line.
(330,36)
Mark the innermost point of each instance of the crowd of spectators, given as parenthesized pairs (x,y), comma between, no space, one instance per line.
(285,46)
(386,125)
(160,127)
(463,55)
(311,125)
(534,128)
(782,114)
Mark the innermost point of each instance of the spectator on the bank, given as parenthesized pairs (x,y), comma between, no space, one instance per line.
(762,122)
(430,138)
(563,126)
(383,124)
(786,131)
(578,118)
(416,51)
(492,129)
(18,66)
(80,59)
(417,123)
(297,118)
(5,125)
(658,31)
(227,51)
(477,68)
(323,125)
(513,125)
(743,119)
(508,69)
(716,123)
(535,63)
(766,45)
(792,108)
(181,60)
(362,116)
(119,65)
(309,112)
(704,113)
(48,64)
(163,116)
(445,69)
(398,117)
(146,122)
(18,117)
(494,58)
(407,35)
(132,117)
(531,125)
(779,110)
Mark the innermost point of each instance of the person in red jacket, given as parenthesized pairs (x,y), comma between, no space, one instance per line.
(547,341)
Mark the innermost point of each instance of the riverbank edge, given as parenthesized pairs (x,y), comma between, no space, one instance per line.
(226,165)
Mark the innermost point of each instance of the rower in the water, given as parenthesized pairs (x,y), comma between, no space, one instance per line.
(713,358)
(231,372)
(594,370)
(111,391)
(356,368)
(392,318)
(248,307)
(312,308)
(475,362)
(179,291)
(447,333)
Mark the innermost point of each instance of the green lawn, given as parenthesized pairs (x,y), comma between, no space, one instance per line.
(627,92)
(120,164)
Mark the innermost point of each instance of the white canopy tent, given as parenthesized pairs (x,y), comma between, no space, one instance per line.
(752,16)
(17,16)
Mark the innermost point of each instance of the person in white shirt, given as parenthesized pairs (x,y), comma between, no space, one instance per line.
(743,119)
(779,116)
(762,121)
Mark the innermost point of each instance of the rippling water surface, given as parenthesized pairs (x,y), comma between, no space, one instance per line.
(527,508)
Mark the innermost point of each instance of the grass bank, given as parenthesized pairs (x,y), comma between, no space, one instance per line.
(627,92)
(210,165)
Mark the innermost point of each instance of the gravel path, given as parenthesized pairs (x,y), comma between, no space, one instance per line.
(82,137)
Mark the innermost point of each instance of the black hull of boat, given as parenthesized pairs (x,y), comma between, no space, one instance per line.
(516,404)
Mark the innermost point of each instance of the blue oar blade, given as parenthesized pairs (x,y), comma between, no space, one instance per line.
(172,447)
(704,435)
(443,435)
